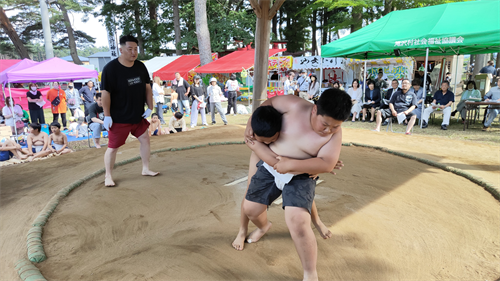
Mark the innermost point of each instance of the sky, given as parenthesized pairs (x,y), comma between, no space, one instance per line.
(92,27)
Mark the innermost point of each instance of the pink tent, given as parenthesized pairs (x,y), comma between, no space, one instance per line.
(25,63)
(19,97)
(5,64)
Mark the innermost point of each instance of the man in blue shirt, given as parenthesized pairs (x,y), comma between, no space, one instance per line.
(87,94)
(492,96)
(303,85)
(489,69)
(443,99)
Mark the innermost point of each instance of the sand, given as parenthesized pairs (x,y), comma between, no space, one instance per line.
(391,218)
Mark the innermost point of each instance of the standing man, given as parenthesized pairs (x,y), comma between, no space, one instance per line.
(303,85)
(126,88)
(420,75)
(182,89)
(87,94)
(232,89)
(489,68)
(492,96)
(443,99)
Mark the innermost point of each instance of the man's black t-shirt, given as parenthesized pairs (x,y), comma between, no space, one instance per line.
(33,105)
(127,87)
(182,89)
(96,111)
(402,101)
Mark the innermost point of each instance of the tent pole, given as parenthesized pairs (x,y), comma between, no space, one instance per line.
(425,84)
(13,113)
(320,73)
(364,80)
(455,81)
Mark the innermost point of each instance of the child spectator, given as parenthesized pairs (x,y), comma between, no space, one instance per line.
(177,123)
(72,127)
(82,128)
(155,126)
(9,149)
(60,145)
(173,100)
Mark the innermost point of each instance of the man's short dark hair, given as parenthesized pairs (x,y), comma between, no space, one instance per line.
(445,81)
(371,82)
(128,38)
(415,82)
(334,103)
(153,115)
(266,121)
(406,80)
(396,80)
(36,126)
(98,95)
(178,115)
(55,124)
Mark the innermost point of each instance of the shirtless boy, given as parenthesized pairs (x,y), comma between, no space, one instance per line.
(309,142)
(60,145)
(38,142)
(155,126)
(173,100)
(9,148)
(266,123)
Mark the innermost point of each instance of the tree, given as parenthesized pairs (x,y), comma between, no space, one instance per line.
(177,28)
(14,37)
(200,9)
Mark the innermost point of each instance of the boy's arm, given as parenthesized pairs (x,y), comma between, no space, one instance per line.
(325,161)
(49,144)
(263,152)
(65,143)
(30,145)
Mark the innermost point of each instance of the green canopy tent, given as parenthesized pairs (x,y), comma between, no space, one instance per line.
(449,29)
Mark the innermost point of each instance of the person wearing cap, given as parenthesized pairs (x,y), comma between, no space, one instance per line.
(198,104)
(232,89)
(73,96)
(303,84)
(489,68)
(380,83)
(420,75)
(215,94)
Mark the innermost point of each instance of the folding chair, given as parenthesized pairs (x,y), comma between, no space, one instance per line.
(89,131)
(390,125)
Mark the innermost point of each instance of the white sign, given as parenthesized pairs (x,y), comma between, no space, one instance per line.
(113,45)
(314,62)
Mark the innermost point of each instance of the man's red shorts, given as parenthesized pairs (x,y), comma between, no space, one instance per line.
(118,132)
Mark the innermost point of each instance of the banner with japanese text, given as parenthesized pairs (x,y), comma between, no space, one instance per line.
(283,62)
(314,62)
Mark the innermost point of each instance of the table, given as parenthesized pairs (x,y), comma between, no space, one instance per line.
(472,105)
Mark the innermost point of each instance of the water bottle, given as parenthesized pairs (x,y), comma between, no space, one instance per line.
(438,107)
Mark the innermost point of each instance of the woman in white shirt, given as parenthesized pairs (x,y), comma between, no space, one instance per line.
(159,98)
(356,96)
(290,85)
(13,115)
(215,94)
(313,89)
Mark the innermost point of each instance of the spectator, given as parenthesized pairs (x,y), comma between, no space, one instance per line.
(303,84)
(275,76)
(290,85)
(26,116)
(372,100)
(448,77)
(60,140)
(232,89)
(215,94)
(87,94)
(387,97)
(38,142)
(73,124)
(336,85)
(96,118)
(9,148)
(489,69)
(159,99)
(313,91)
(57,98)
(419,92)
(182,88)
(492,96)
(13,114)
(420,76)
(82,128)
(443,99)
(402,101)
(74,100)
(380,83)
(356,97)
(177,124)
(198,94)
(35,104)
(155,126)
(174,105)
(471,94)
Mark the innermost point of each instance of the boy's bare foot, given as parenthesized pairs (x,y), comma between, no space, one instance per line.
(149,173)
(255,235)
(108,181)
(97,145)
(30,159)
(239,241)
(323,230)
(310,276)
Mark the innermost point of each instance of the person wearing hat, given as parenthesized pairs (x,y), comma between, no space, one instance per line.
(420,75)
(215,94)
(199,104)
(303,84)
(73,96)
(380,83)
(232,89)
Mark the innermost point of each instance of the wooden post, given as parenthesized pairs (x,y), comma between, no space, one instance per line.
(262,39)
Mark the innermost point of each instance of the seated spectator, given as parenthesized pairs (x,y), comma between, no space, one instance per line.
(443,99)
(38,142)
(26,116)
(96,119)
(471,94)
(60,140)
(403,101)
(419,92)
(387,97)
(492,96)
(9,149)
(72,126)
(372,100)
(155,126)
(82,128)
(356,97)
(13,114)
(177,123)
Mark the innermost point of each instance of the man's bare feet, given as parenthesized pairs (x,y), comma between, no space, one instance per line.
(239,241)
(149,173)
(310,276)
(97,145)
(323,230)
(255,235)
(108,181)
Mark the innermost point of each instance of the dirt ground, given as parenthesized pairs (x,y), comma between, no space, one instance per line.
(391,218)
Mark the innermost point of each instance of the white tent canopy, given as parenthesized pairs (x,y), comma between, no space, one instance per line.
(157,63)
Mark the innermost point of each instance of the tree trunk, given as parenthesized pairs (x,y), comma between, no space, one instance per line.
(324,29)
(153,17)
(11,32)
(314,46)
(275,26)
(480,62)
(357,18)
(140,39)
(200,12)
(71,37)
(177,28)
(387,7)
